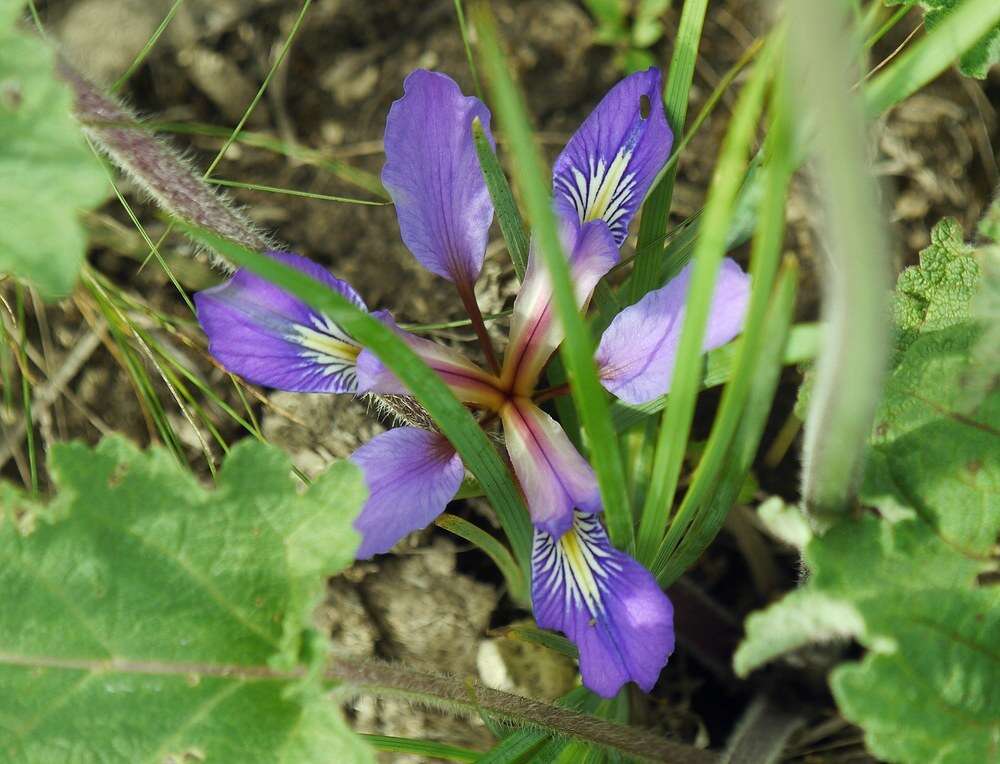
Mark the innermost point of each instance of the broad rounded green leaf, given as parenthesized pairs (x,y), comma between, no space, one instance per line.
(975,62)
(146,617)
(928,690)
(49,174)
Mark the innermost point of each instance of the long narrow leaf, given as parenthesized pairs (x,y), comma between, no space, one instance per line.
(653,221)
(577,348)
(454,419)
(508,215)
(694,526)
(708,254)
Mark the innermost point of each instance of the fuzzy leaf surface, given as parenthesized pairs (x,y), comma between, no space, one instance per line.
(147,618)
(49,174)
(977,61)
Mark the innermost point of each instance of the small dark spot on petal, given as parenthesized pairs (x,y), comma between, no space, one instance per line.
(645,106)
(974,466)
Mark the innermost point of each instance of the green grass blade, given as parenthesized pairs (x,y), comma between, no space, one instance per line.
(294,192)
(547,639)
(577,348)
(708,255)
(452,417)
(494,550)
(464,32)
(934,53)
(148,47)
(508,215)
(693,528)
(653,221)
(759,322)
(426,748)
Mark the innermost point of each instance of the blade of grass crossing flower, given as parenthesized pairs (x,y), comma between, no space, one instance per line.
(693,528)
(455,421)
(547,639)
(426,748)
(493,549)
(708,254)
(653,221)
(851,365)
(934,53)
(578,347)
(508,215)
(759,322)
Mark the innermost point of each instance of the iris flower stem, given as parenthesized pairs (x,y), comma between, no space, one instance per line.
(476,316)
(551,392)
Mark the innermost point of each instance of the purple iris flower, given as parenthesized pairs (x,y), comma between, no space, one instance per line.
(602,599)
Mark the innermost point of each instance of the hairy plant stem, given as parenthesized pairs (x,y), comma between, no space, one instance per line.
(473,698)
(157,168)
(381,678)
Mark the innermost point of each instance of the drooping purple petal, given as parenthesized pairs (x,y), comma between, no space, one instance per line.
(470,383)
(411,476)
(610,162)
(535,330)
(637,351)
(606,603)
(433,175)
(552,474)
(264,334)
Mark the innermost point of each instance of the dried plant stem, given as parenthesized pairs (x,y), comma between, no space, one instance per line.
(380,678)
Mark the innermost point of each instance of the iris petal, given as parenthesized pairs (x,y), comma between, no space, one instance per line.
(411,475)
(433,175)
(605,602)
(470,383)
(553,475)
(264,334)
(637,351)
(610,162)
(535,330)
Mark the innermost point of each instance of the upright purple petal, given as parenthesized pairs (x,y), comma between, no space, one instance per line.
(606,603)
(470,383)
(637,351)
(433,175)
(610,162)
(262,333)
(411,475)
(552,474)
(535,330)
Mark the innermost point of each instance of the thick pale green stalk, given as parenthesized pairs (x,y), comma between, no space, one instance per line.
(653,221)
(852,361)
(452,417)
(694,527)
(759,324)
(928,58)
(708,255)
(577,348)
(508,215)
